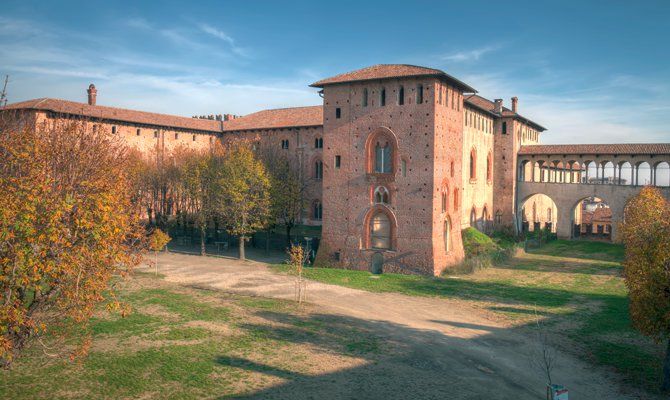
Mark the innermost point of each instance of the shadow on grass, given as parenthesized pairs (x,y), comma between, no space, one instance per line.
(252,254)
(388,361)
(548,263)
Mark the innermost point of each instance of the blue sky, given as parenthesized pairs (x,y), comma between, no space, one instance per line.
(590,71)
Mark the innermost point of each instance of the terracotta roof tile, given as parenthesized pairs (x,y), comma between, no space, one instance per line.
(277,118)
(388,71)
(117,114)
(489,106)
(621,148)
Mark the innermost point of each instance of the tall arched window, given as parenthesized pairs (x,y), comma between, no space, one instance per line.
(489,168)
(401,95)
(447,235)
(380,231)
(365,97)
(317,211)
(444,201)
(383,157)
(473,217)
(318,170)
(381,195)
(473,164)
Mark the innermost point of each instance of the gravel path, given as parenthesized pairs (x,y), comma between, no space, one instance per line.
(465,355)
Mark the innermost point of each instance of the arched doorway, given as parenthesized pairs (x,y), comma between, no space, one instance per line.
(538,211)
(592,219)
(377,263)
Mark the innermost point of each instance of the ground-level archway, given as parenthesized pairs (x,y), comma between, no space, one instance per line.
(592,219)
(537,211)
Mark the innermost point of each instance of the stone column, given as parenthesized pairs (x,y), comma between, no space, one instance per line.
(564,221)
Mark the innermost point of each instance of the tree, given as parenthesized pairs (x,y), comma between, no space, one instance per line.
(242,193)
(287,191)
(197,179)
(157,242)
(646,236)
(67,225)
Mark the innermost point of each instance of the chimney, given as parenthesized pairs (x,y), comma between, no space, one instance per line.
(515,104)
(498,106)
(92,94)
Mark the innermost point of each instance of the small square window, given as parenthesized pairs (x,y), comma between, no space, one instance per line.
(338,112)
(338,161)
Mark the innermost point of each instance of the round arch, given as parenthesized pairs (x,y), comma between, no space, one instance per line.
(537,211)
(591,219)
(381,136)
(369,229)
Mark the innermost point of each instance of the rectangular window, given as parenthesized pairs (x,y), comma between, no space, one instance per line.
(284,144)
(365,97)
(504,128)
(419,94)
(338,160)
(382,97)
(113,129)
(194,138)
(138,132)
(156,134)
(338,112)
(401,96)
(176,136)
(403,167)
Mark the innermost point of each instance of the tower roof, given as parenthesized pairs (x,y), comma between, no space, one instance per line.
(390,71)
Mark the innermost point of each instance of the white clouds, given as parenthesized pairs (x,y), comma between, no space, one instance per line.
(217,33)
(469,55)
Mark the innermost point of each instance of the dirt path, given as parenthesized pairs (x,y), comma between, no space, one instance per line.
(476,356)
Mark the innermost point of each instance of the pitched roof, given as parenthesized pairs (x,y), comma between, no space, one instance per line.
(621,148)
(277,118)
(389,71)
(487,105)
(116,114)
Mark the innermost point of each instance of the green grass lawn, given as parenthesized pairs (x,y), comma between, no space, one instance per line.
(576,287)
(184,343)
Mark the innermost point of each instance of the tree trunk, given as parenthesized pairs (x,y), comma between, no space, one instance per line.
(665,386)
(242,257)
(288,236)
(202,239)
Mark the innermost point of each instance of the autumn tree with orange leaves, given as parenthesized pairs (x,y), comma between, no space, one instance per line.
(67,226)
(646,235)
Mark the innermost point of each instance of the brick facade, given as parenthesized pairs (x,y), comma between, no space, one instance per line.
(396,186)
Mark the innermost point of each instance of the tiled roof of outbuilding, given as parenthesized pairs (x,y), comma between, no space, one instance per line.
(277,118)
(117,114)
(388,71)
(621,148)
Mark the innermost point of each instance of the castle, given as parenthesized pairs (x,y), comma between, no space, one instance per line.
(401,158)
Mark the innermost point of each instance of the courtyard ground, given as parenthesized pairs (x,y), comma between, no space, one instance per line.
(201,330)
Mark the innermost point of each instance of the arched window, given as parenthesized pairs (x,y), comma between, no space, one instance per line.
(473,165)
(451,169)
(317,210)
(318,143)
(382,195)
(455,199)
(473,217)
(383,157)
(318,169)
(447,235)
(365,97)
(489,168)
(380,231)
(419,94)
(444,201)
(401,96)
(382,97)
